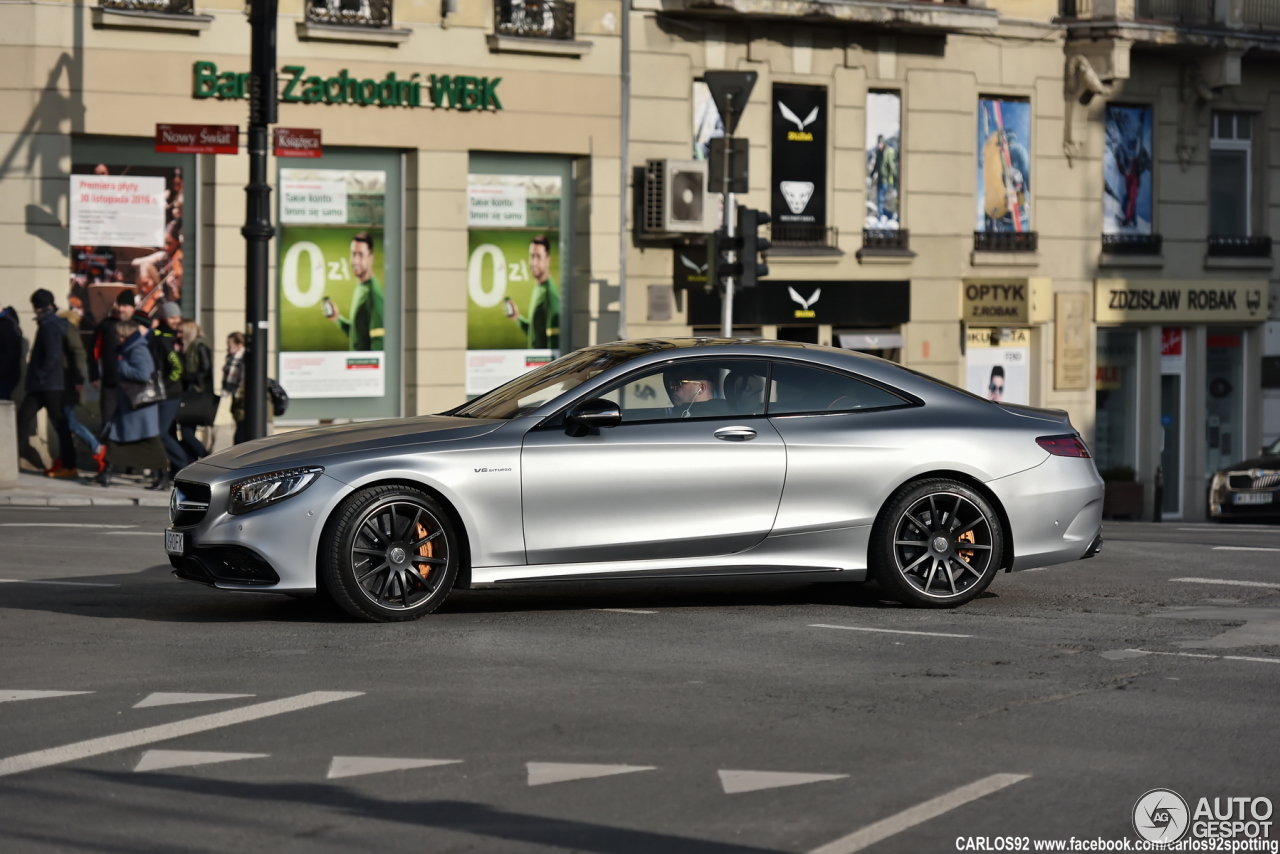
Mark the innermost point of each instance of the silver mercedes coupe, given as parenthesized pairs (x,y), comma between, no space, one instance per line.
(661,459)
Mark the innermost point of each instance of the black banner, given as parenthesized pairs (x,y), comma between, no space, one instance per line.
(801,303)
(690,270)
(799,192)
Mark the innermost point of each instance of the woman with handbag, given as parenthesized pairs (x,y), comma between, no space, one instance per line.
(133,438)
(199,403)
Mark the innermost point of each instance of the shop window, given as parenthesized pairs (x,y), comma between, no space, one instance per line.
(539,19)
(350,13)
(1231,194)
(883,229)
(1115,435)
(1004,177)
(1224,408)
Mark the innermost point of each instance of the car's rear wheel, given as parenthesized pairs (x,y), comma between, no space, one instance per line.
(937,544)
(391,554)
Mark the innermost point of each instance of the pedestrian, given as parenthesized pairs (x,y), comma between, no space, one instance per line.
(197,379)
(73,384)
(133,436)
(102,361)
(45,384)
(10,352)
(166,353)
(233,383)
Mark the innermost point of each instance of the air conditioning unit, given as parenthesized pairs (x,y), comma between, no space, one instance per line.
(675,197)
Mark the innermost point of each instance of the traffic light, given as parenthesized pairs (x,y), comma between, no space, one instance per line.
(721,246)
(753,269)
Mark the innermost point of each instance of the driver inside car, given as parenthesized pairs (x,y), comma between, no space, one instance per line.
(694,393)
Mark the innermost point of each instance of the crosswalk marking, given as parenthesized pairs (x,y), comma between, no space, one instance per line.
(542,773)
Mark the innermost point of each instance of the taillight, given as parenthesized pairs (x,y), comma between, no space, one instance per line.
(1064,446)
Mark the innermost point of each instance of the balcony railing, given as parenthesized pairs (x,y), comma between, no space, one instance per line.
(539,19)
(349,13)
(1261,13)
(1006,241)
(1132,244)
(898,239)
(1175,11)
(1240,247)
(788,236)
(168,7)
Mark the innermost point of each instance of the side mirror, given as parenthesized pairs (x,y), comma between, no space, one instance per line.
(592,414)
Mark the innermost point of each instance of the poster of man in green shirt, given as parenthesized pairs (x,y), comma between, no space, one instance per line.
(542,324)
(363,324)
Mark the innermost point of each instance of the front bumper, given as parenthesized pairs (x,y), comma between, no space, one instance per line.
(1054,511)
(271,550)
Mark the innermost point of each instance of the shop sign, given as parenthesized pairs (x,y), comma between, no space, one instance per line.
(997,364)
(1004,300)
(1071,341)
(1179,301)
(799,156)
(808,303)
(455,92)
(298,142)
(197,139)
(690,267)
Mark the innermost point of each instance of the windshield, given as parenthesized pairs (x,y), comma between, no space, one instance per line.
(529,391)
(1272,450)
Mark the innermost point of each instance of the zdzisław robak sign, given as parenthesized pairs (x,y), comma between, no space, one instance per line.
(456,92)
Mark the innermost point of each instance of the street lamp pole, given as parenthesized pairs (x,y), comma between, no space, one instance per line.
(257,230)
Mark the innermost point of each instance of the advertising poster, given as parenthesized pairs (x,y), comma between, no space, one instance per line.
(997,364)
(884,150)
(799,175)
(1126,164)
(1004,166)
(706,121)
(331,274)
(513,296)
(126,234)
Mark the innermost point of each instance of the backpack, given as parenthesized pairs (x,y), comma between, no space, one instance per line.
(279,398)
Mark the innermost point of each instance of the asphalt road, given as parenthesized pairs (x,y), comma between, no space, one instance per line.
(607,719)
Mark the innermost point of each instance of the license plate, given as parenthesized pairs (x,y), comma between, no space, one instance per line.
(175,542)
(1252,498)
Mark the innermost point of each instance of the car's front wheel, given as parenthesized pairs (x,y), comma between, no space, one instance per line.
(937,544)
(391,554)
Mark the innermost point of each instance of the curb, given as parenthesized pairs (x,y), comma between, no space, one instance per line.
(76,501)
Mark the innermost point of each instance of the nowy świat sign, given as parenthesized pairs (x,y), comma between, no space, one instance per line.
(455,92)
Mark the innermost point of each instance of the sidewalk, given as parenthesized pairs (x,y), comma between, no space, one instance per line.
(36,490)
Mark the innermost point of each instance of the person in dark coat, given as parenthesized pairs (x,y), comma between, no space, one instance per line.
(197,377)
(45,382)
(102,361)
(73,383)
(166,350)
(10,353)
(133,437)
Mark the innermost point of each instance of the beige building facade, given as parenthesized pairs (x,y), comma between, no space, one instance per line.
(997,193)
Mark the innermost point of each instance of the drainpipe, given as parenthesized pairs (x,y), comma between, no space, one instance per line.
(624,169)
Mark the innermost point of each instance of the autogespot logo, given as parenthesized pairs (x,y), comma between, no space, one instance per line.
(1161,816)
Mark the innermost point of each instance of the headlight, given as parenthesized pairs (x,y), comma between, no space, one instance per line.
(254,493)
(1219,481)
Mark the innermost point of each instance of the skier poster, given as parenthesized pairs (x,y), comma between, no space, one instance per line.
(1004,166)
(1126,164)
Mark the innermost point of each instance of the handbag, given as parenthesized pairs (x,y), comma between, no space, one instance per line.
(197,408)
(143,394)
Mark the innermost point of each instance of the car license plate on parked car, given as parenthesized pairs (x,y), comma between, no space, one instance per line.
(1252,498)
(174,542)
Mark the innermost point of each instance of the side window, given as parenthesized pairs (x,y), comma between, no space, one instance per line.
(696,388)
(798,388)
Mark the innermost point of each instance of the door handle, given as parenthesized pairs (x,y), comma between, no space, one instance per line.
(735,434)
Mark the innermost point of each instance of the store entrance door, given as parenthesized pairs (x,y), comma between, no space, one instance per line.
(1224,364)
(1173,364)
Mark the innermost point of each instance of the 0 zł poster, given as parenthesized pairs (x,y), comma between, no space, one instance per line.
(332,302)
(513,296)
(126,235)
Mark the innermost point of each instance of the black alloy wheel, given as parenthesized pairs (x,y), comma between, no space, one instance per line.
(390,555)
(938,544)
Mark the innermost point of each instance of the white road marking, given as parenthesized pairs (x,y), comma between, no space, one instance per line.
(1214,526)
(58,525)
(135,533)
(163,699)
(355,766)
(908,818)
(65,583)
(542,773)
(735,782)
(1243,549)
(160,760)
(1232,582)
(8,696)
(887,631)
(164,732)
(624,610)
(1200,655)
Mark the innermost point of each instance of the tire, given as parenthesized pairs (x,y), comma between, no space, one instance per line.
(377,548)
(937,544)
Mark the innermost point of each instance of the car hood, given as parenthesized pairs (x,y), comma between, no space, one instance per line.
(306,446)
(1267,462)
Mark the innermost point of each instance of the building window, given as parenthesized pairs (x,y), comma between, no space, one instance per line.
(165,7)
(540,19)
(350,13)
(1230,175)
(1115,437)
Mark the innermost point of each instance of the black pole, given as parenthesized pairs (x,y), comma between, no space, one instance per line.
(257,229)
